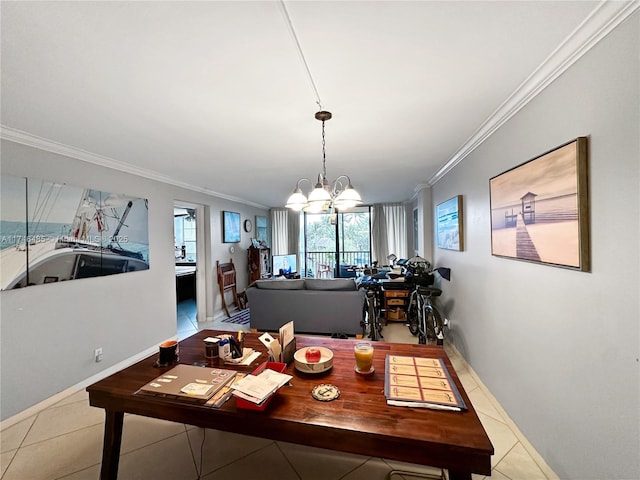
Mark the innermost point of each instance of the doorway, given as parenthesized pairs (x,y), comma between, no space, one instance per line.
(190,279)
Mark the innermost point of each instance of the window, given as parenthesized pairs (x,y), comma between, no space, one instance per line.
(184,230)
(332,244)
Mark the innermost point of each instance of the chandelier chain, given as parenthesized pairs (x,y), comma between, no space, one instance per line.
(324,197)
(324,156)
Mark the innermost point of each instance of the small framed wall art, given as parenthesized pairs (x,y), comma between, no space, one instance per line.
(230,227)
(415,231)
(261,228)
(449,225)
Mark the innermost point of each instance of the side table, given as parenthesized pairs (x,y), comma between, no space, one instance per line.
(396,303)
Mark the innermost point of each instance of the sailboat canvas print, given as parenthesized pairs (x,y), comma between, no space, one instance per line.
(53,232)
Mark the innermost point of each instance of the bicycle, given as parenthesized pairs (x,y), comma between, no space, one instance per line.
(371,311)
(424,319)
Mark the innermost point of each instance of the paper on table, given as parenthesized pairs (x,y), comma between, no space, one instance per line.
(275,350)
(196,388)
(420,382)
(434,406)
(273,346)
(223,395)
(266,339)
(248,356)
(259,387)
(286,335)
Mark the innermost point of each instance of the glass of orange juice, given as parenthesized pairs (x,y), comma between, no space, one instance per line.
(364,357)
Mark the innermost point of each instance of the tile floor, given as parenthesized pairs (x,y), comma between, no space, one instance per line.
(64,441)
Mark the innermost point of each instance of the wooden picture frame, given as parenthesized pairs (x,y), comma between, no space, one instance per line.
(449,224)
(416,237)
(540,209)
(230,227)
(261,228)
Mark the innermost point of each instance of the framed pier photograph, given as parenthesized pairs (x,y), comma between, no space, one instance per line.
(540,209)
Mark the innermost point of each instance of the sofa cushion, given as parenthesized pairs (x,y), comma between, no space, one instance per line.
(283,284)
(343,284)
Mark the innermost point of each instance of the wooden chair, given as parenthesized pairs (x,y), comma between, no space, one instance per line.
(323,271)
(227,282)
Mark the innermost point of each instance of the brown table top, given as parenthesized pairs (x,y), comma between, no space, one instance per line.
(359,421)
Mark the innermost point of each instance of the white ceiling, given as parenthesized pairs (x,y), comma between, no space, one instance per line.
(215,95)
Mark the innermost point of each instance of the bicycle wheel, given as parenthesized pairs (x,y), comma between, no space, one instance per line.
(438,325)
(374,332)
(412,314)
(364,321)
(378,321)
(422,325)
(434,325)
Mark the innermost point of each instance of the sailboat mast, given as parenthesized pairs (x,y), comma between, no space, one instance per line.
(122,219)
(79,226)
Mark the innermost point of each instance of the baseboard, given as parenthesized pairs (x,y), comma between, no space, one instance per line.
(550,474)
(48,402)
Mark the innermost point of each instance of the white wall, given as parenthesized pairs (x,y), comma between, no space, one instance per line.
(422,202)
(49,332)
(559,348)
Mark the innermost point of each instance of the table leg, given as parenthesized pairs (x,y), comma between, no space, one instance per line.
(111,445)
(459,475)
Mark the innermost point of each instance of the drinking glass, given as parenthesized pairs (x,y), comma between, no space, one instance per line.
(364,357)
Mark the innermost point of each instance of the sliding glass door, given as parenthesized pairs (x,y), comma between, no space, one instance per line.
(335,244)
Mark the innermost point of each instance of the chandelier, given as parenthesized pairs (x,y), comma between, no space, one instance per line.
(325,196)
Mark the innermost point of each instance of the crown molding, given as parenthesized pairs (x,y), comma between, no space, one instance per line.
(418,188)
(24,138)
(602,20)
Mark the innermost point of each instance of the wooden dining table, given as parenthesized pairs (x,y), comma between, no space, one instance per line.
(359,421)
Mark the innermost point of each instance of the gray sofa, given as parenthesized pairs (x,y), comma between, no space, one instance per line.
(316,305)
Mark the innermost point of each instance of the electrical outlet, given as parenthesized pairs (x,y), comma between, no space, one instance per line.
(98,354)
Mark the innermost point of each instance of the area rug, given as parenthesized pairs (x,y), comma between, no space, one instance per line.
(240,317)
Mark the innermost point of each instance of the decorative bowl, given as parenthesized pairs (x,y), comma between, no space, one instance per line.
(324,365)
